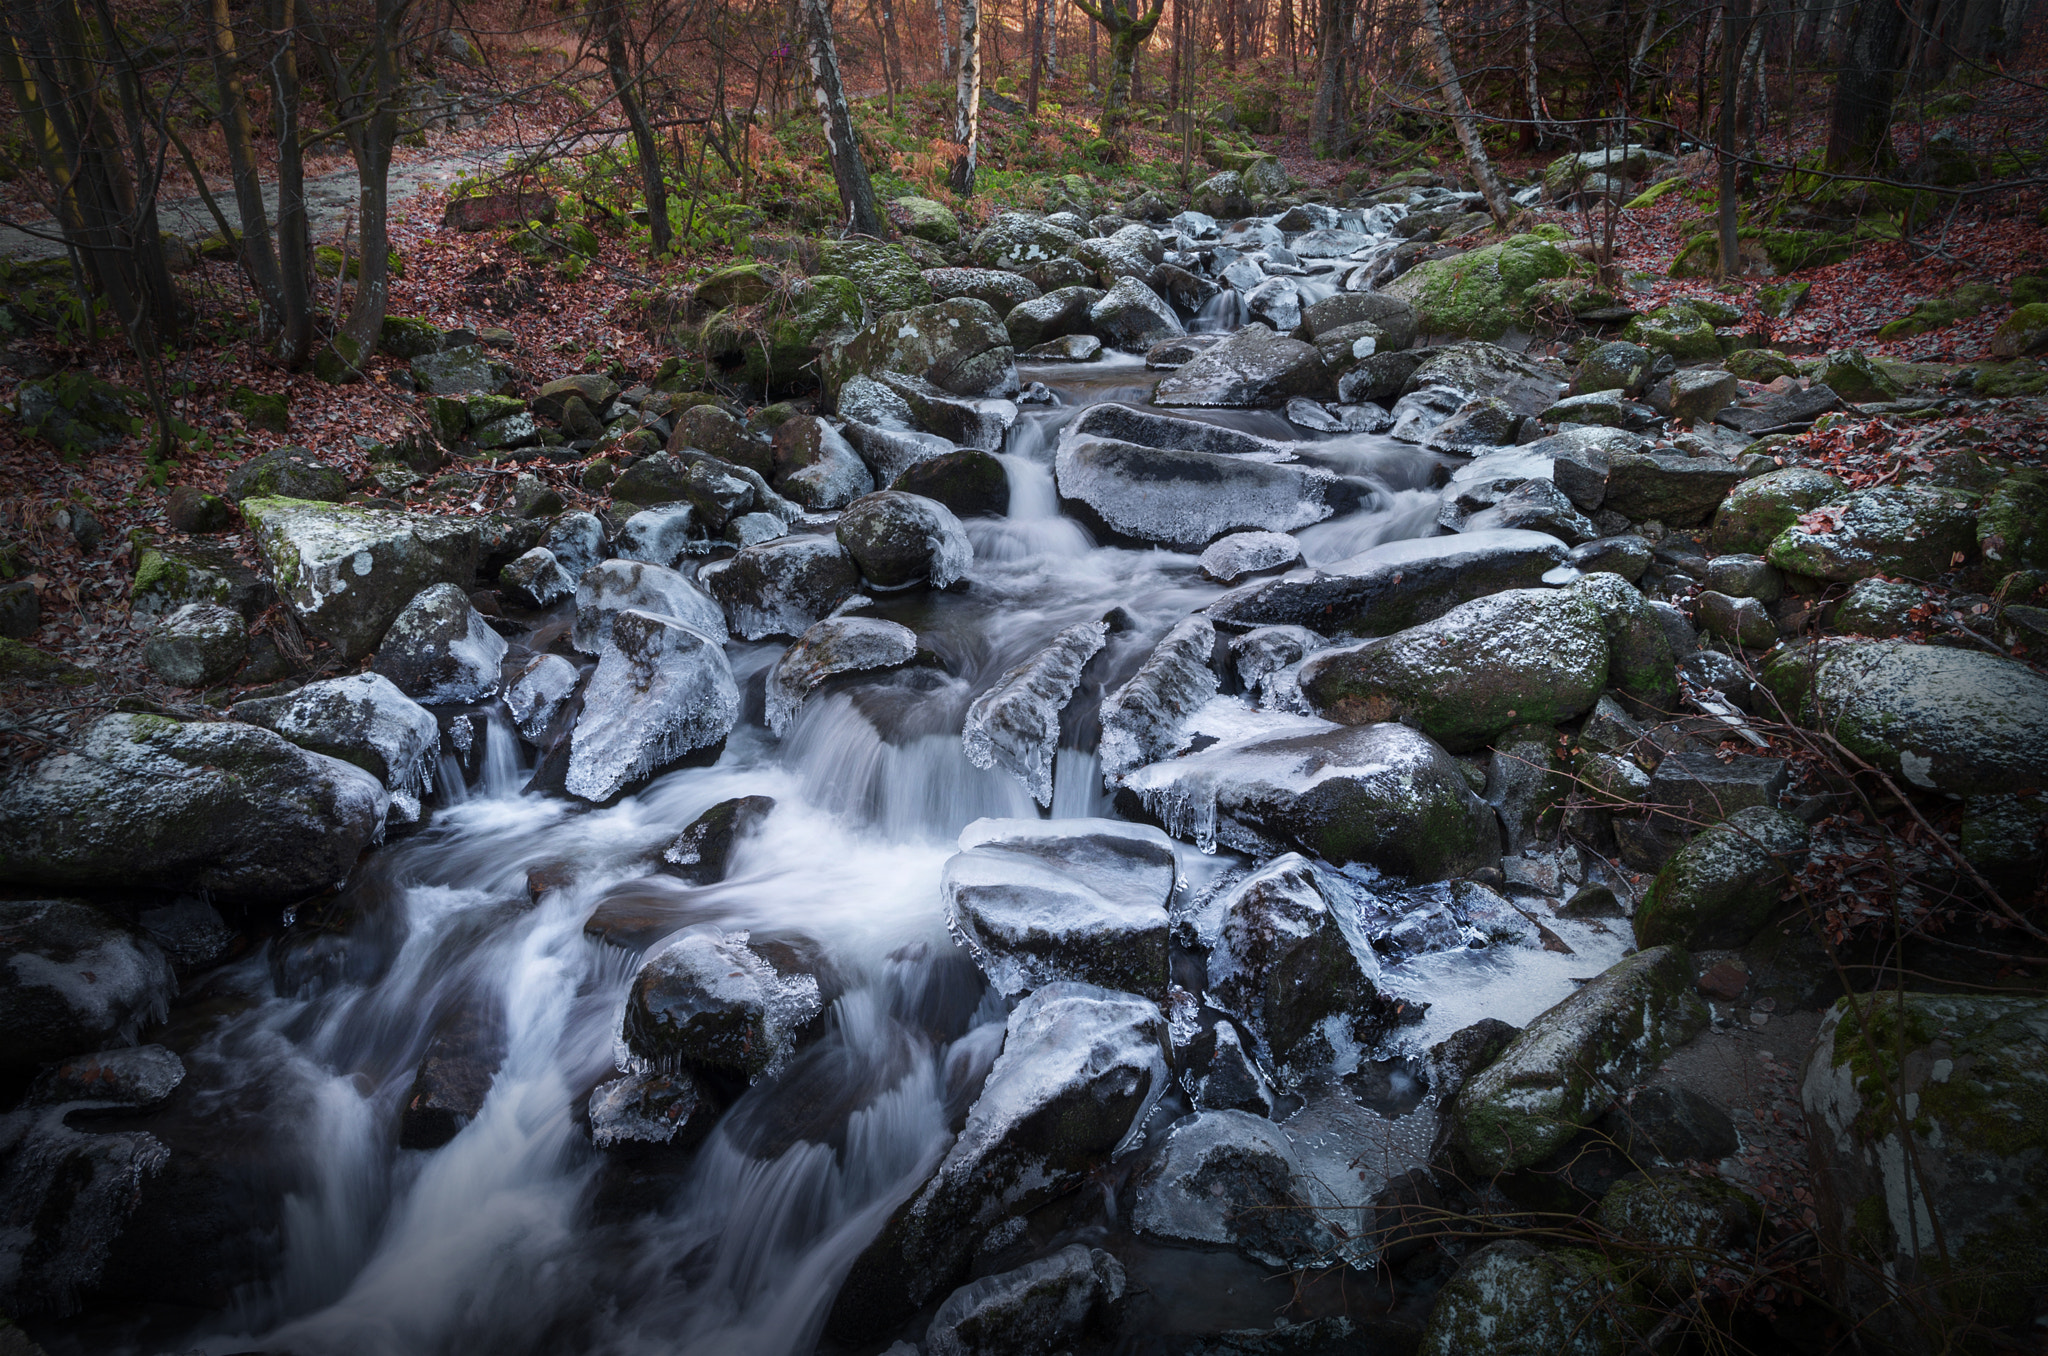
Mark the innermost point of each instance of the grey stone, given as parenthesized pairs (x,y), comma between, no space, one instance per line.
(782,587)
(364,720)
(74,979)
(440,649)
(835,646)
(198,645)
(1723,886)
(662,690)
(1042,1306)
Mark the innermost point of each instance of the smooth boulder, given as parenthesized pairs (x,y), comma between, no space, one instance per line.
(440,649)
(662,690)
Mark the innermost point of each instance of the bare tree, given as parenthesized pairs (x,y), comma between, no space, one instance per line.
(1859,121)
(856,193)
(1332,31)
(1128,23)
(967,97)
(625,87)
(1437,53)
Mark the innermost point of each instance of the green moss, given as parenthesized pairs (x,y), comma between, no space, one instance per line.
(1932,314)
(1482,293)
(21,663)
(2004,381)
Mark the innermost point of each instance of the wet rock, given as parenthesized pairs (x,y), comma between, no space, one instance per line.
(661,690)
(1535,506)
(136,1077)
(782,587)
(660,536)
(1676,491)
(1074,899)
(224,807)
(1672,1126)
(1169,354)
(1015,723)
(1081,1068)
(900,539)
(454,1077)
(1517,657)
(959,346)
(970,482)
(1397,585)
(1148,428)
(539,694)
(1233,1179)
(74,980)
(1393,316)
(1141,720)
(364,720)
(1513,1296)
(702,852)
(1912,530)
(1132,317)
(1232,558)
(890,453)
(198,645)
(1959,721)
(1756,511)
(1627,556)
(71,1196)
(1276,304)
(1015,241)
(1310,414)
(536,579)
(191,932)
(1251,368)
(577,540)
(1723,886)
(287,473)
(1043,1306)
(1381,794)
(1002,290)
(835,646)
(711,1004)
(816,466)
(1052,316)
(651,1111)
(1476,424)
(1966,1091)
(1073,348)
(615,586)
(440,649)
(1568,1062)
(1187,499)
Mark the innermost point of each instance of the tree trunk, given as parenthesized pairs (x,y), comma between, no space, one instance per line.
(1127,31)
(1438,51)
(945,42)
(1034,11)
(653,183)
(370,112)
(1734,35)
(856,193)
(1859,122)
(294,247)
(1330,31)
(967,98)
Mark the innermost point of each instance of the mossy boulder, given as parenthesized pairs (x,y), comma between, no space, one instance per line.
(1513,1298)
(1568,1063)
(1756,511)
(971,483)
(1687,1220)
(169,575)
(406,337)
(1720,888)
(1855,375)
(1760,364)
(885,275)
(26,666)
(959,346)
(1482,293)
(291,472)
(1935,313)
(737,285)
(925,219)
(76,412)
(269,413)
(1785,251)
(1912,530)
(2024,332)
(1678,328)
(1960,1214)
(2012,530)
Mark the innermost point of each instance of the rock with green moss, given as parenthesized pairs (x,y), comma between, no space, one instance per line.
(1686,1220)
(340,361)
(2003,381)
(1785,251)
(1779,300)
(1525,656)
(1760,364)
(169,575)
(26,666)
(1615,366)
(970,482)
(1677,328)
(1720,888)
(959,346)
(1677,491)
(744,284)
(925,219)
(1927,1123)
(76,412)
(291,472)
(145,802)
(780,351)
(1482,293)
(1568,1063)
(1569,175)
(1877,607)
(885,275)
(1914,530)
(406,337)
(1961,721)
(1640,661)
(2012,530)
(1854,375)
(1958,303)
(196,646)
(2023,332)
(347,572)
(268,413)
(463,370)
(1513,1298)
(1756,511)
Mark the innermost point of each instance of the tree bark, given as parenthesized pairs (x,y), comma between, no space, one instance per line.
(1438,52)
(1734,38)
(1034,12)
(967,98)
(849,171)
(1127,29)
(653,183)
(1859,121)
(945,42)
(366,91)
(1332,23)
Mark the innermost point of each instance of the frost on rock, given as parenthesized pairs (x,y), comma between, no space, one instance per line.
(660,536)
(539,693)
(1042,1306)
(609,588)
(1016,723)
(536,578)
(900,539)
(661,690)
(1074,899)
(1081,1070)
(363,720)
(1277,301)
(782,587)
(1241,553)
(1186,499)
(832,647)
(710,1003)
(440,649)
(649,1109)
(1148,428)
(1141,721)
(577,540)
(1234,1179)
(70,1195)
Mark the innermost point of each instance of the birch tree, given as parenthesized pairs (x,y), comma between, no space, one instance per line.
(1437,53)
(849,171)
(967,97)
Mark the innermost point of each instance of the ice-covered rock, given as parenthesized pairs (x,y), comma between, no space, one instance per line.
(644,1110)
(900,539)
(73,979)
(539,693)
(1231,558)
(1015,724)
(958,346)
(197,645)
(1276,302)
(1072,899)
(1042,1306)
(702,852)
(440,649)
(1149,428)
(361,719)
(828,473)
(1253,367)
(970,421)
(782,587)
(577,540)
(1055,315)
(1383,794)
(1081,1069)
(659,536)
(661,690)
(1132,317)
(536,578)
(1187,499)
(1141,720)
(891,452)
(834,646)
(1233,1179)
(615,586)
(709,1003)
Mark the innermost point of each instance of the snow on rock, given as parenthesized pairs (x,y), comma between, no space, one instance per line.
(1015,724)
(710,1003)
(539,693)
(365,720)
(1186,499)
(440,649)
(782,587)
(661,690)
(1141,721)
(834,646)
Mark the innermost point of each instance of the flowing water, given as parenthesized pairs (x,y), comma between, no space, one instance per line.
(517,1236)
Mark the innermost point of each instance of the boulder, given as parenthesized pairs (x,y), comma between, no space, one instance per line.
(1132,317)
(1955,1217)
(710,1004)
(1743,622)
(970,483)
(1642,662)
(833,647)
(286,473)
(971,421)
(1614,366)
(1913,530)
(1253,367)
(1055,314)
(1081,1069)
(227,808)
(1001,290)
(1473,368)
(661,690)
(1276,304)
(702,853)
(348,572)
(1037,902)
(1392,316)
(925,219)
(1141,720)
(454,1075)
(536,579)
(782,587)
(1677,491)
(887,277)
(658,536)
(1014,241)
(1480,293)
(1015,723)
(1042,1306)
(959,346)
(540,693)
(1792,412)
(1568,1063)
(1536,505)
(1235,1179)
(197,645)
(1518,657)
(361,719)
(2012,529)
(827,473)
(74,979)
(1221,196)
(1626,556)
(899,539)
(1960,721)
(1756,511)
(1187,499)
(1879,608)
(1381,794)
(1722,887)
(577,540)
(615,586)
(1514,1297)
(1698,394)
(594,389)
(169,575)
(440,649)
(1231,558)
(464,369)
